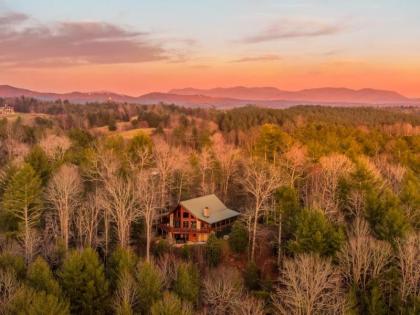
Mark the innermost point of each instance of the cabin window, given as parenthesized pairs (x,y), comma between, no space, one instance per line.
(185,224)
(193,224)
(177,223)
(186,215)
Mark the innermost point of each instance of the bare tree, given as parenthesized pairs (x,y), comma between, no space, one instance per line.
(321,186)
(55,146)
(182,170)
(363,258)
(248,305)
(64,194)
(140,158)
(260,182)
(148,200)
(104,204)
(8,287)
(324,185)
(126,294)
(118,200)
(87,220)
(104,168)
(293,160)
(168,267)
(247,218)
(309,285)
(227,157)
(49,237)
(166,161)
(222,290)
(392,173)
(356,203)
(206,166)
(409,265)
(14,147)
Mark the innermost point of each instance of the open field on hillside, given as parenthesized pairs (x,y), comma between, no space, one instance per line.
(27,118)
(126,134)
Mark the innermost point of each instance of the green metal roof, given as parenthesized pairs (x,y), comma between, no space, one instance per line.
(217,210)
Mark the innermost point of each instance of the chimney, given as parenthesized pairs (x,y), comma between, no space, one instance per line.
(206,212)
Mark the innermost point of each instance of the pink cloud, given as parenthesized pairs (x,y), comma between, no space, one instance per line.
(286,28)
(72,43)
(11,18)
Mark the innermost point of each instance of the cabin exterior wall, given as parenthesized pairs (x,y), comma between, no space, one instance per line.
(183,226)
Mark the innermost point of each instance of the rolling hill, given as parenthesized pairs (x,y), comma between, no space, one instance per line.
(231,97)
(328,94)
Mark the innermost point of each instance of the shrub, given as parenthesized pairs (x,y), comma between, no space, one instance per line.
(170,305)
(252,276)
(187,283)
(112,125)
(161,247)
(14,263)
(238,238)
(213,250)
(186,252)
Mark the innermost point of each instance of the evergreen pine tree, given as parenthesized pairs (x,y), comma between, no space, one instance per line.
(40,277)
(187,283)
(28,301)
(170,305)
(22,199)
(213,250)
(83,282)
(238,237)
(149,285)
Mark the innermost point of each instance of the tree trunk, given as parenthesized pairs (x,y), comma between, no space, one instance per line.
(254,234)
(279,243)
(106,230)
(66,224)
(249,226)
(148,236)
(180,188)
(163,192)
(27,236)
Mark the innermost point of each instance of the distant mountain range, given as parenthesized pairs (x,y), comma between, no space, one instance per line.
(231,97)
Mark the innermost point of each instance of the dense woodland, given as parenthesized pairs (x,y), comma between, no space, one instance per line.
(329,201)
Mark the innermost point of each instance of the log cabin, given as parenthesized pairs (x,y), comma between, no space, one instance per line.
(193,220)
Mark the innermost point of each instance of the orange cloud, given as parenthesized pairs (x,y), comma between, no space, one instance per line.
(257,58)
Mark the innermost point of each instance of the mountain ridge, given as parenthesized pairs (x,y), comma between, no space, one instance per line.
(334,94)
(231,96)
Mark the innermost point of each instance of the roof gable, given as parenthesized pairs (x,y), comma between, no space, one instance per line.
(217,209)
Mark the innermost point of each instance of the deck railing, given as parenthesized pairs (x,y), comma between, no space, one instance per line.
(173,229)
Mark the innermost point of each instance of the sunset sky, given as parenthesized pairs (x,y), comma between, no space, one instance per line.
(137,46)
